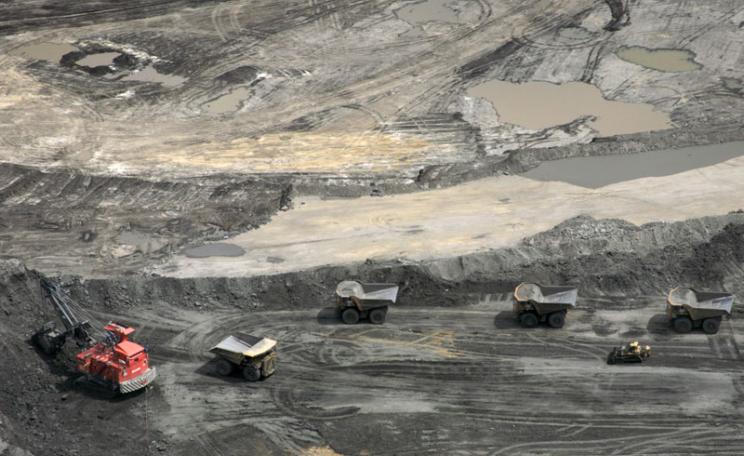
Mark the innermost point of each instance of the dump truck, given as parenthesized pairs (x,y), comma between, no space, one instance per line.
(633,352)
(535,304)
(370,301)
(255,357)
(688,308)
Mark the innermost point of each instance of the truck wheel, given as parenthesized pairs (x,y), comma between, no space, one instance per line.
(251,373)
(377,316)
(557,319)
(711,325)
(350,316)
(682,324)
(528,320)
(223,367)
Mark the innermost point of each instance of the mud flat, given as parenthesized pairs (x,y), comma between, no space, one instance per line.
(479,215)
(595,172)
(70,118)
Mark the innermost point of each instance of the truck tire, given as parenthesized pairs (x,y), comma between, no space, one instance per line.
(557,319)
(350,316)
(377,316)
(711,325)
(251,372)
(682,325)
(223,367)
(528,320)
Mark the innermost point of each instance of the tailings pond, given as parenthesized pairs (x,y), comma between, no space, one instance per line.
(595,172)
(666,60)
(51,52)
(217,249)
(229,102)
(434,11)
(538,105)
(151,74)
(98,59)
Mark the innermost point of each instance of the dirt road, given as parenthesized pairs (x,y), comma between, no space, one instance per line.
(450,381)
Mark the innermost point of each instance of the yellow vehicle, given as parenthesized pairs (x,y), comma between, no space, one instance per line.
(633,352)
(255,357)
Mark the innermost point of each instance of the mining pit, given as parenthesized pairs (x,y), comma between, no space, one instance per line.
(198,169)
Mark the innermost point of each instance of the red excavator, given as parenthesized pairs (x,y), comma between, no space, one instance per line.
(114,362)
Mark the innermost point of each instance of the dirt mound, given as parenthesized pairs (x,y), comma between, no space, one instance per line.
(602,257)
(118,223)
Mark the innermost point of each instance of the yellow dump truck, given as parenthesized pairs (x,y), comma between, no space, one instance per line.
(255,357)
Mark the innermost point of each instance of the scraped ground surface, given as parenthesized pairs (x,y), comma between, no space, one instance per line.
(333,87)
(134,135)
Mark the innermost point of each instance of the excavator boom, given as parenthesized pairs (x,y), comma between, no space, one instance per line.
(49,338)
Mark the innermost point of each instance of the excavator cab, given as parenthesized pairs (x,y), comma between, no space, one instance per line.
(115,361)
(123,365)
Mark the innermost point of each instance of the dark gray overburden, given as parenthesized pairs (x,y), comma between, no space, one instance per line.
(440,355)
(213,119)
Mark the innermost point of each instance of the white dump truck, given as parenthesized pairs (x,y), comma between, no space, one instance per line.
(535,304)
(357,300)
(688,308)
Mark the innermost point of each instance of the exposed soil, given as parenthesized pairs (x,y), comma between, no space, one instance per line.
(96,225)
(196,169)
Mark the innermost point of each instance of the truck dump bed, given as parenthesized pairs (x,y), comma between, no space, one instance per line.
(234,349)
(701,300)
(367,291)
(546,294)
